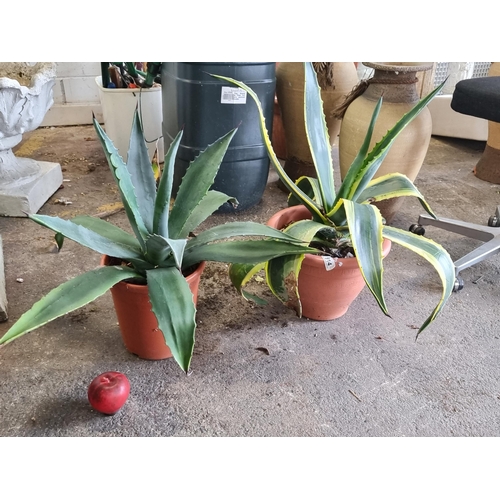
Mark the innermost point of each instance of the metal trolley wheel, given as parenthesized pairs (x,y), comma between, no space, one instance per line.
(417,229)
(458,285)
(494,221)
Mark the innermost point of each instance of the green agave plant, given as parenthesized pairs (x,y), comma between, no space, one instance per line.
(346,214)
(163,246)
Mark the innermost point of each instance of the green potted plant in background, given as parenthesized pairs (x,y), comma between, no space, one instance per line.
(340,222)
(160,264)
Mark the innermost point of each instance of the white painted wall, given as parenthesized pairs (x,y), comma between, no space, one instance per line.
(75,95)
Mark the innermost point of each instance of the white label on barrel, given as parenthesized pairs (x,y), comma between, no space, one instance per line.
(232,95)
(330,262)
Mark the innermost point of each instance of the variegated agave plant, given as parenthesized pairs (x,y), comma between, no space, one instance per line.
(348,212)
(163,244)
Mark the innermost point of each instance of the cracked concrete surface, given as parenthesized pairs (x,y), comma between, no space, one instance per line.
(360,375)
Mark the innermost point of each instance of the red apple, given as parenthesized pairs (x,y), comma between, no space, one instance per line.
(108,392)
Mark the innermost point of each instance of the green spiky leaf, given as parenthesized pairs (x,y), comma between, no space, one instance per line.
(289,184)
(240,275)
(162,205)
(365,229)
(141,173)
(196,183)
(317,137)
(67,297)
(88,237)
(436,255)
(124,183)
(172,303)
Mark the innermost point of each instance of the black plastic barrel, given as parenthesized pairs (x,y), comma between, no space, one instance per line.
(208,108)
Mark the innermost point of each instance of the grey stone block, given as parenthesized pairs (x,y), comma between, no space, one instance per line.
(27,197)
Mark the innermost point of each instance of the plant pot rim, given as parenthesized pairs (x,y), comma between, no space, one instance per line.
(133,287)
(319,260)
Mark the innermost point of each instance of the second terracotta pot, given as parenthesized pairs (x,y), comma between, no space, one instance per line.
(327,286)
(138,324)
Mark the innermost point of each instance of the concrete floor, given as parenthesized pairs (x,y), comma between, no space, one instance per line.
(360,375)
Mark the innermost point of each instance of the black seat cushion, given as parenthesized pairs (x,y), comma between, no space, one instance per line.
(478,97)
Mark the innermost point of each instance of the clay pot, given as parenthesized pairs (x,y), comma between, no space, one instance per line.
(327,287)
(397,84)
(138,324)
(290,93)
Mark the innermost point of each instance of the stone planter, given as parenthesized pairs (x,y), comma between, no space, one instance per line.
(25,97)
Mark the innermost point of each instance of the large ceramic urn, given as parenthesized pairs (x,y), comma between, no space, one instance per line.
(396,82)
(336,81)
(25,97)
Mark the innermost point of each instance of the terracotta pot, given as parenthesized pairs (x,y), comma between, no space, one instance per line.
(138,324)
(290,93)
(397,83)
(325,292)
